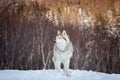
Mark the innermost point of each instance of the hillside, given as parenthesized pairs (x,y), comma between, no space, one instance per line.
(53,75)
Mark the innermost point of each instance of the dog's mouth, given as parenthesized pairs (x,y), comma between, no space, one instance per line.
(58,43)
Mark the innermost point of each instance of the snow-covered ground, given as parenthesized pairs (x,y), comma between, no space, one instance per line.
(54,75)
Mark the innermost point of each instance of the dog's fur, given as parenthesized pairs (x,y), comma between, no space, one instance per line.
(63,51)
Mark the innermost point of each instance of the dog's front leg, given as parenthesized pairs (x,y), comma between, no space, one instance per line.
(66,67)
(57,65)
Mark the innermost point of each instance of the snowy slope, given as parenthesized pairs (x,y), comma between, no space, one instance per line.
(53,75)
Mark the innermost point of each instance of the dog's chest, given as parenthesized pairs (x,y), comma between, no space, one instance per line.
(61,47)
(63,56)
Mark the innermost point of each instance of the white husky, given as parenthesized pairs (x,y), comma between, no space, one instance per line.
(63,51)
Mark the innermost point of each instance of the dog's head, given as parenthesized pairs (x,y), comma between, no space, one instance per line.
(62,38)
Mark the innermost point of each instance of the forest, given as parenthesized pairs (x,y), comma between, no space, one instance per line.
(28,29)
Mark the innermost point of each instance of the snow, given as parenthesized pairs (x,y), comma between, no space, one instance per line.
(54,75)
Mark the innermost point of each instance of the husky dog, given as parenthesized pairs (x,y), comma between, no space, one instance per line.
(63,51)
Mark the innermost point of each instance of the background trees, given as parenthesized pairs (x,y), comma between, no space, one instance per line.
(27,36)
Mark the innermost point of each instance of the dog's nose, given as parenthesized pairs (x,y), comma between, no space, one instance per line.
(54,41)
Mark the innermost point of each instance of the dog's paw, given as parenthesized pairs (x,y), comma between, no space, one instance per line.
(58,70)
(68,74)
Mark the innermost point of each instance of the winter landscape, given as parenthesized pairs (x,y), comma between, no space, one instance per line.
(53,75)
(28,30)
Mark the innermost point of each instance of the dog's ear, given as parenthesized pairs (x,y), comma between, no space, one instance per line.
(64,32)
(58,32)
